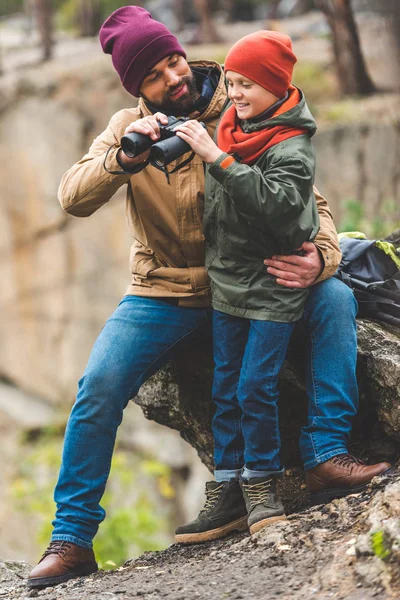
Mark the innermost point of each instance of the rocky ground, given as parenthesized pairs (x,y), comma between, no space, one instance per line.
(348,549)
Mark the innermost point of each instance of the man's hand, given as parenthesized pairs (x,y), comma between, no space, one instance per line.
(198,139)
(147,126)
(297,271)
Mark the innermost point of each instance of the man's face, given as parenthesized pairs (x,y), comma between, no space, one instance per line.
(170,86)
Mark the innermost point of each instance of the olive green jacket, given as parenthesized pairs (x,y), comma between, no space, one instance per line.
(254,212)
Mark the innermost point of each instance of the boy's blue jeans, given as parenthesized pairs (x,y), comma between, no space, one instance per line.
(248,355)
(141,336)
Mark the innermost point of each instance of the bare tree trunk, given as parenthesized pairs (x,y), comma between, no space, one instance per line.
(89,17)
(352,72)
(180,14)
(229,6)
(208,31)
(273,6)
(44,19)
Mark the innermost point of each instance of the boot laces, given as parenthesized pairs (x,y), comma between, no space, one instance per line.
(347,460)
(257,492)
(212,497)
(59,547)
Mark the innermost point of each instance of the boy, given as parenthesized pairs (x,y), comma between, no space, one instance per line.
(259,200)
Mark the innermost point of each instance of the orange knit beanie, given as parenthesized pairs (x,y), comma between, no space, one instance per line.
(265,57)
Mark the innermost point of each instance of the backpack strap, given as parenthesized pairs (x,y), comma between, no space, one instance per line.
(371,305)
(345,277)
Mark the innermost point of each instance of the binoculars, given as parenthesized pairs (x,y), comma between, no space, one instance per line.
(168,148)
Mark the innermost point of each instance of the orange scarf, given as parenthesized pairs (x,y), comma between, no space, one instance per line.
(250,146)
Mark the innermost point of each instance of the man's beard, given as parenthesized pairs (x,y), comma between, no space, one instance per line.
(183,105)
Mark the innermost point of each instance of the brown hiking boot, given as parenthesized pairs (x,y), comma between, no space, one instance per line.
(60,562)
(342,475)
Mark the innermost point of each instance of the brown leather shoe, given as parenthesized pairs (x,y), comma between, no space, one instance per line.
(342,475)
(60,562)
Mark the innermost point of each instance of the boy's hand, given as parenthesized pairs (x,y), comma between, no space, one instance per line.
(297,271)
(198,139)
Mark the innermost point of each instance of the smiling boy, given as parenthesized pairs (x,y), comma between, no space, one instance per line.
(259,202)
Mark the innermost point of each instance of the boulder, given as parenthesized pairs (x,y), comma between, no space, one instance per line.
(179,396)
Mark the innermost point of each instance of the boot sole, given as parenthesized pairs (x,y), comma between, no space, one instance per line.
(265,522)
(329,495)
(213,534)
(41,582)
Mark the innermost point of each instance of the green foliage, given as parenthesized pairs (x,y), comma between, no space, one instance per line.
(9,7)
(352,219)
(221,55)
(386,219)
(340,112)
(108,6)
(132,525)
(129,530)
(68,11)
(380,545)
(316,81)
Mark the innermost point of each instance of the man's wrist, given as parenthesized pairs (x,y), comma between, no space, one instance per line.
(129,164)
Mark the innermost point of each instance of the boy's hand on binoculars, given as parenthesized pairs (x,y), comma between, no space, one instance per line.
(297,271)
(198,139)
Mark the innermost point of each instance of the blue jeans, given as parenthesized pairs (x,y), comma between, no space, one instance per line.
(329,322)
(248,355)
(138,339)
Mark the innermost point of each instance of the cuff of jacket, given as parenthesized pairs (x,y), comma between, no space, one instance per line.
(113,166)
(111,162)
(135,168)
(330,260)
(221,168)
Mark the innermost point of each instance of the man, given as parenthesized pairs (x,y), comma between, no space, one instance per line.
(169,295)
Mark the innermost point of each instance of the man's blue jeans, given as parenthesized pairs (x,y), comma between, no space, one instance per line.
(140,337)
(248,356)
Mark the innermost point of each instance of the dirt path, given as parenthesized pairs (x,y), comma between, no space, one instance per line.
(322,553)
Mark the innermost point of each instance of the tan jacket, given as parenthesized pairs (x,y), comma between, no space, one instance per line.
(165,221)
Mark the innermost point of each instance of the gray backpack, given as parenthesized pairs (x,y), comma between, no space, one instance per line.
(371,269)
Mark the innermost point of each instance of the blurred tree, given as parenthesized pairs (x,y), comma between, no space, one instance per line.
(180,14)
(352,72)
(229,6)
(8,7)
(208,31)
(273,9)
(90,17)
(43,10)
(383,19)
(85,17)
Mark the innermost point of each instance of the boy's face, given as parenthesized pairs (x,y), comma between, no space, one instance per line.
(170,86)
(249,98)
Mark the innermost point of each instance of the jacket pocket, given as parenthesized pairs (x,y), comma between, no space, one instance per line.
(143,261)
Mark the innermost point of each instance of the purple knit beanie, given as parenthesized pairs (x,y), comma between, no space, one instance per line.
(136,43)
